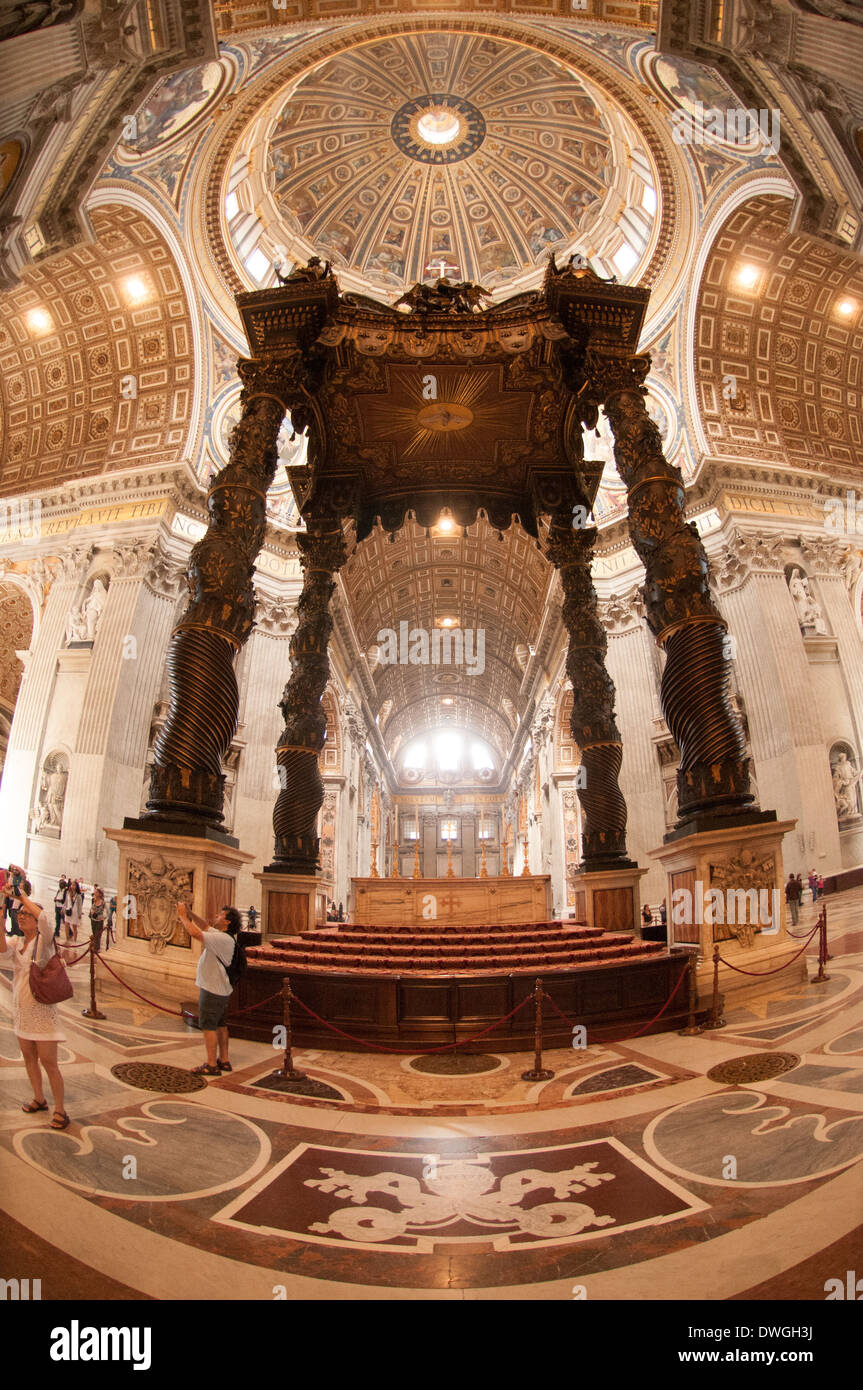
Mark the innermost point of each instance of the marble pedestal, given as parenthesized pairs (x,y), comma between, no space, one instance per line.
(291,903)
(608,898)
(733,862)
(156,872)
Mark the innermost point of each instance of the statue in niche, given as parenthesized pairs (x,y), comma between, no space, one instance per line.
(809,614)
(846,779)
(48,814)
(76,627)
(92,610)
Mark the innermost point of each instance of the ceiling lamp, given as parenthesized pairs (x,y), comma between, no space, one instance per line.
(136,290)
(448,622)
(447,700)
(748,276)
(846,307)
(39,321)
(446,525)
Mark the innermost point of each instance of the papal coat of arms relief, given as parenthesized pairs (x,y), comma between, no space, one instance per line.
(155,887)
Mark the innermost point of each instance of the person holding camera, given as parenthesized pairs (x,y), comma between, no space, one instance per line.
(218,943)
(35,1025)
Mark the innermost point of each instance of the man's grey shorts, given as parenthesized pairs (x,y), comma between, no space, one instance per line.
(212,1009)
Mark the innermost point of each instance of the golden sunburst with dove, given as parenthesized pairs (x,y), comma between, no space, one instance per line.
(446,414)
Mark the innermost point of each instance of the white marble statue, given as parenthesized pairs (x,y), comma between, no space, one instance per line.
(76,627)
(845,781)
(809,614)
(52,794)
(93,608)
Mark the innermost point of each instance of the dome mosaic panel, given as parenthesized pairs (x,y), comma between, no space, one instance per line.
(424,149)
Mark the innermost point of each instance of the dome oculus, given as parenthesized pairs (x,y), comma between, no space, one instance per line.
(438,129)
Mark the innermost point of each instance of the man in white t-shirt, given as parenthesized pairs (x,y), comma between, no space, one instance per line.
(214,988)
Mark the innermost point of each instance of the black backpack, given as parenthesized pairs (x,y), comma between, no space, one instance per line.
(238,963)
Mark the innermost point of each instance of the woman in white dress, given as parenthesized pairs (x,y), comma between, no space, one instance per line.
(35,1025)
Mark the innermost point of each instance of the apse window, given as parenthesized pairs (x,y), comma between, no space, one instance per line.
(625,259)
(480,755)
(415,755)
(410,830)
(449,752)
(449,829)
(257,265)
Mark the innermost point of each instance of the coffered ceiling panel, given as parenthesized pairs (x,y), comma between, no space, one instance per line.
(494,589)
(96,358)
(779,344)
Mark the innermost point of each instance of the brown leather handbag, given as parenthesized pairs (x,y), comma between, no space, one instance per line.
(49,983)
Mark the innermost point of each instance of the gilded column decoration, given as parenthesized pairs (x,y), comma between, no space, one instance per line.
(592,722)
(187,785)
(301,794)
(713,778)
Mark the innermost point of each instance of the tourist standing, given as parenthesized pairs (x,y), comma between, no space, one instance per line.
(793,893)
(218,944)
(73,909)
(813,884)
(646,916)
(15,901)
(59,897)
(98,913)
(253,919)
(112,915)
(35,1025)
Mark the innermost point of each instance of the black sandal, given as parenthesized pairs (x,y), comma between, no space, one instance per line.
(34,1107)
(64,1120)
(206,1070)
(224,1066)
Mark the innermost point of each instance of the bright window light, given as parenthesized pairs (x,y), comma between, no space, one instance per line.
(257,265)
(449,830)
(449,750)
(415,755)
(648,200)
(232,206)
(625,258)
(480,755)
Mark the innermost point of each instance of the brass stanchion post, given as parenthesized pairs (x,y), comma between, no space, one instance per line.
(692,1027)
(287,1068)
(539,1072)
(822,977)
(716,1019)
(93,1011)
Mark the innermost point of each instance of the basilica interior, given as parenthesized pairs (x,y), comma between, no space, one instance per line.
(430,441)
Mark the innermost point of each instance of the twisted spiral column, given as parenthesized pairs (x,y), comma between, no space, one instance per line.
(187,784)
(301,794)
(593,723)
(713,778)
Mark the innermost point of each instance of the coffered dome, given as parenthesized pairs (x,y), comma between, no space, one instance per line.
(427,153)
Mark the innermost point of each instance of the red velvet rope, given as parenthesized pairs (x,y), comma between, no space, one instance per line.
(178,1013)
(573,1022)
(175,1013)
(758,974)
(412,1051)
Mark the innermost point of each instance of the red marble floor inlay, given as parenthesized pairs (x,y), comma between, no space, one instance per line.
(414,1202)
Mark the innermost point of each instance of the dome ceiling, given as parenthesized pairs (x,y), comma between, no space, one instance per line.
(409,153)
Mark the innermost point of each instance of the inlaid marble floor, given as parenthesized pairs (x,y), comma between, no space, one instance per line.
(628,1175)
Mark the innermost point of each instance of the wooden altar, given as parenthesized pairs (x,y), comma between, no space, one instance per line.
(453,901)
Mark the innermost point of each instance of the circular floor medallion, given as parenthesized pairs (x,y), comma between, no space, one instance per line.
(755,1066)
(454,1064)
(156,1076)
